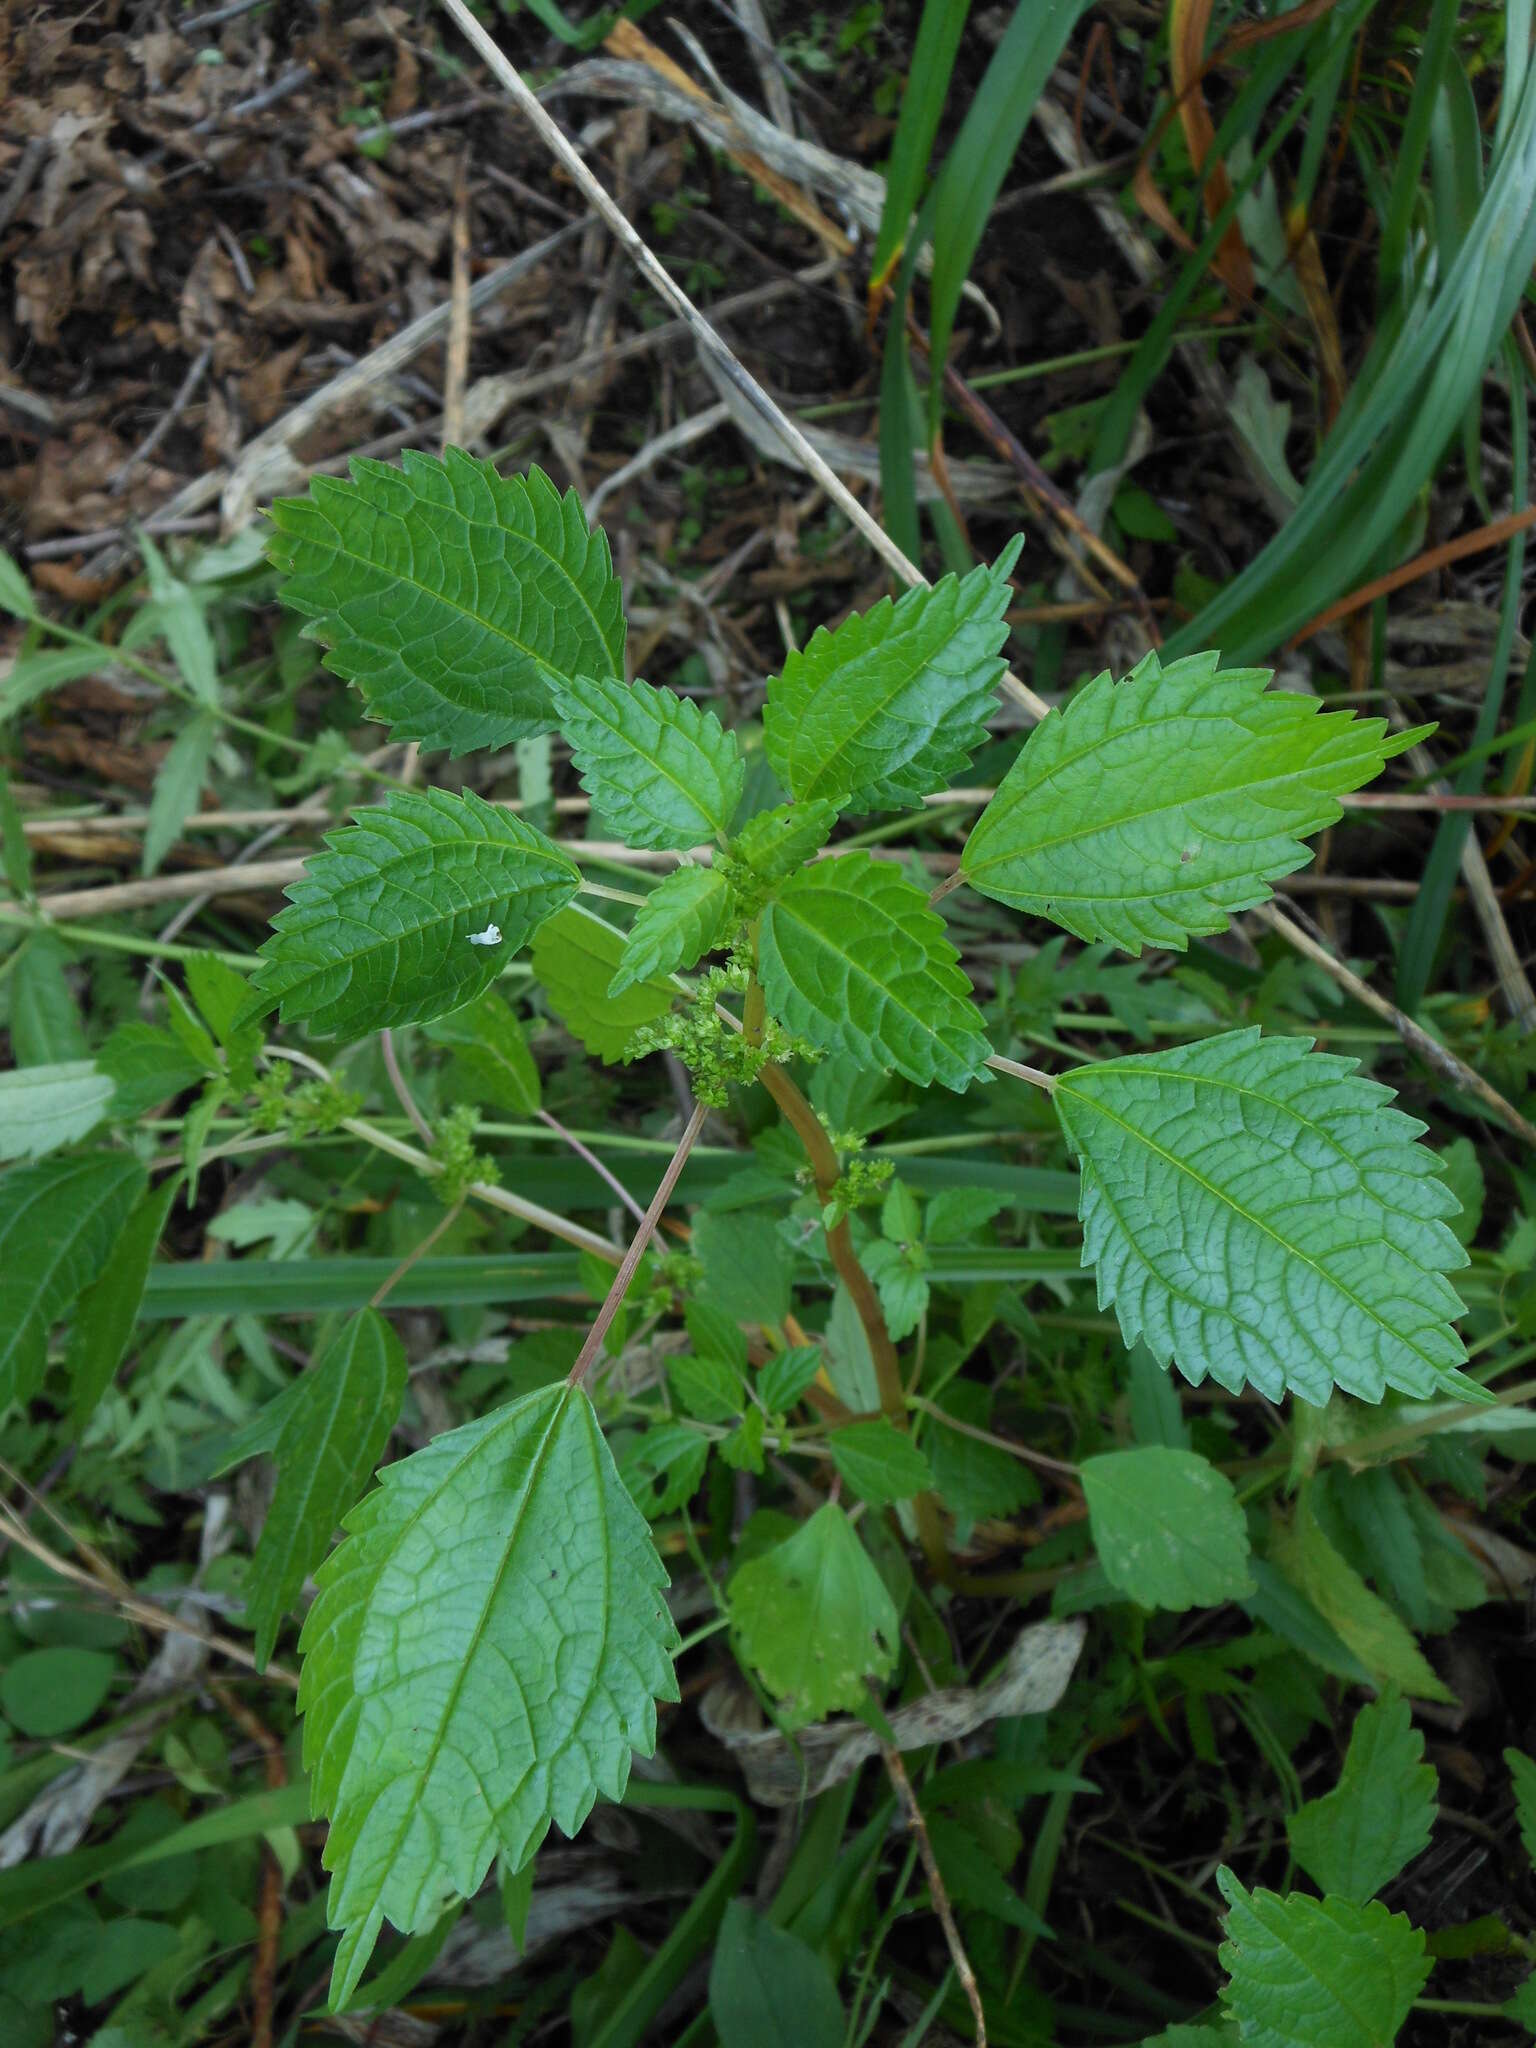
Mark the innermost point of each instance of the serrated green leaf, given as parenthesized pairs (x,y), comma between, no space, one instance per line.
(893,703)
(59,1219)
(664,1467)
(682,919)
(1167,1527)
(109,1307)
(785,1377)
(879,1462)
(42,1108)
(147,1065)
(1155,808)
(453,597)
(1379,1816)
(659,767)
(1366,1625)
(707,1388)
(490,1051)
(1256,1212)
(1522,2007)
(776,842)
(413,911)
(852,958)
(814,1619)
(486,1650)
(770,1989)
(973,1879)
(1317,1973)
(1522,1773)
(574,957)
(331,1440)
(975,1480)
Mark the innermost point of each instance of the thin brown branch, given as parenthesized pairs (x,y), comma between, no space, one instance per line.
(896,1770)
(637,1247)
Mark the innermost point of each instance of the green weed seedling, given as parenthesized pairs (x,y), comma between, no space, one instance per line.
(490,1640)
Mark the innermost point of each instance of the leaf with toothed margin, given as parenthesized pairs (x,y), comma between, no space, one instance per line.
(1155,808)
(682,919)
(1317,1973)
(1258,1214)
(485,1652)
(413,911)
(852,958)
(659,767)
(891,705)
(452,596)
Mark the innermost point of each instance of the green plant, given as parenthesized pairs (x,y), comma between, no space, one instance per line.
(490,1639)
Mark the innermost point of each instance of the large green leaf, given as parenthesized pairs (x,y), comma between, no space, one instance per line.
(1356,1838)
(332,1436)
(451,596)
(1167,1527)
(892,704)
(770,1989)
(1258,1214)
(1317,1973)
(661,769)
(490,1052)
(852,958)
(486,1650)
(59,1219)
(1157,807)
(574,959)
(814,1618)
(42,1108)
(682,919)
(413,912)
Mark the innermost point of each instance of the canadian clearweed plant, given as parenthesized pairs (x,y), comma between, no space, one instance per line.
(491,1637)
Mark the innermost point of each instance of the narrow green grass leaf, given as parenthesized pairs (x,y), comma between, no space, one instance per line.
(1408,399)
(1167,1527)
(453,597)
(682,919)
(332,1437)
(1379,1816)
(59,1219)
(978,162)
(486,1650)
(1156,808)
(892,704)
(1317,1973)
(922,108)
(661,769)
(413,911)
(852,958)
(575,956)
(109,1307)
(1257,1213)
(44,1108)
(813,1617)
(178,788)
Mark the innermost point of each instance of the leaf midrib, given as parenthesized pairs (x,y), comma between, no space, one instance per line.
(881,708)
(333,609)
(1081,837)
(629,748)
(1182,1166)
